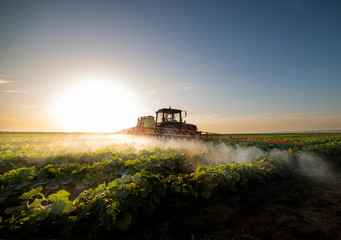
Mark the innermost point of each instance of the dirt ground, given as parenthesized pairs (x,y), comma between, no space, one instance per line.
(295,208)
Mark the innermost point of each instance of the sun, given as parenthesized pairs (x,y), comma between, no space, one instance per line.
(95,106)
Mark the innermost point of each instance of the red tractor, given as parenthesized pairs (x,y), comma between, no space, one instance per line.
(166,120)
(172,118)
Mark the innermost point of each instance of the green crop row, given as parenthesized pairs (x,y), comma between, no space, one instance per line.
(63,173)
(121,202)
(67,185)
(327,144)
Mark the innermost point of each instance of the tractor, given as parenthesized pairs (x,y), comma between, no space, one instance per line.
(169,122)
(166,118)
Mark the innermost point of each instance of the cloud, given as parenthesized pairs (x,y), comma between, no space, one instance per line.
(14,91)
(2,81)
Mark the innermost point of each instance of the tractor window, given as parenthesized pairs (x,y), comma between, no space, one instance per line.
(159,117)
(177,117)
(168,117)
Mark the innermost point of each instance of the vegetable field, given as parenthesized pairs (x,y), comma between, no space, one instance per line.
(61,185)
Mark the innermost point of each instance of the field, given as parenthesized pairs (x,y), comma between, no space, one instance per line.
(85,186)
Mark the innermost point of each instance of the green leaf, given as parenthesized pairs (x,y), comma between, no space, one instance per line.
(5,195)
(61,195)
(24,172)
(121,193)
(100,203)
(48,166)
(82,183)
(14,210)
(42,215)
(32,193)
(54,184)
(129,163)
(19,186)
(100,189)
(64,179)
(41,182)
(125,179)
(58,208)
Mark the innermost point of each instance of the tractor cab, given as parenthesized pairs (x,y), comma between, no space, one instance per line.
(165,118)
(173,118)
(168,118)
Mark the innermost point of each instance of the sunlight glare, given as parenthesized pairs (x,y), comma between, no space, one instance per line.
(96,106)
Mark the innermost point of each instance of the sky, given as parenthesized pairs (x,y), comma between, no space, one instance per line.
(235,66)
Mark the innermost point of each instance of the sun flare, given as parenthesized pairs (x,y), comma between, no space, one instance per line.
(96,106)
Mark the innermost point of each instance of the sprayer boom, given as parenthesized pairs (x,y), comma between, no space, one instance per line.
(169,122)
(148,131)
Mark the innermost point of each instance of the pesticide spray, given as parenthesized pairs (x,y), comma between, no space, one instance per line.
(205,153)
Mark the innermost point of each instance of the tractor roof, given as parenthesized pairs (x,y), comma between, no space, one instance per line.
(169,110)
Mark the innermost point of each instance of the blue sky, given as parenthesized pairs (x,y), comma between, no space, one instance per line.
(235,66)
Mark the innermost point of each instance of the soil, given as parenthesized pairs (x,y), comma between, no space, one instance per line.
(295,208)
